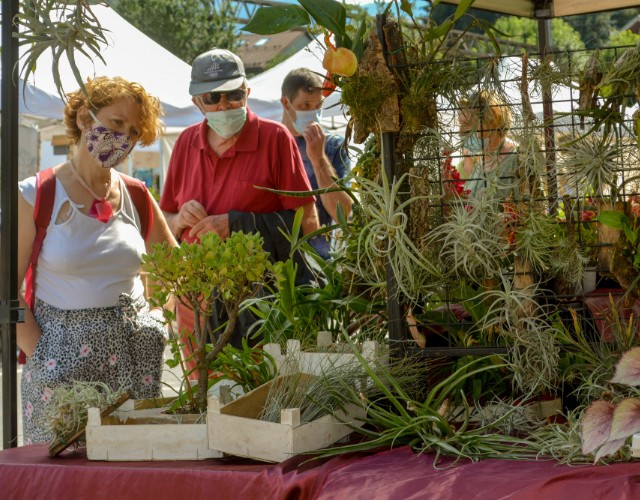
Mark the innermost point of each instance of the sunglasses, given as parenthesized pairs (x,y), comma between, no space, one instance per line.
(232,96)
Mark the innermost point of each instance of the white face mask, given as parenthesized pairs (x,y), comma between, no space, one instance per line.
(227,123)
(304,118)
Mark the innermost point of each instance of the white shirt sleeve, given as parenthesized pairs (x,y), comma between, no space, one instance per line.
(28,189)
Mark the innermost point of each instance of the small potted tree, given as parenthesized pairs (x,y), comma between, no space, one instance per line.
(197,274)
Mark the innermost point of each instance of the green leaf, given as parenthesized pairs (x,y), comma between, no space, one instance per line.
(611,218)
(269,20)
(405,6)
(439,31)
(462,9)
(358,41)
(328,13)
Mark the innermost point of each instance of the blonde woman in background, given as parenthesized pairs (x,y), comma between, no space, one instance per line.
(489,155)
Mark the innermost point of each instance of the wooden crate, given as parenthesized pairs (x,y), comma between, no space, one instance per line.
(139,430)
(235,429)
(326,358)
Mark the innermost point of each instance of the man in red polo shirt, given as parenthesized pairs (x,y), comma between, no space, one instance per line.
(216,165)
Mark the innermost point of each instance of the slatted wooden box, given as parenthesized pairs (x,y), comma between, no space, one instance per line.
(140,430)
(235,429)
(328,356)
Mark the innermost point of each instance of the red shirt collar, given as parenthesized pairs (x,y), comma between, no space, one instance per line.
(247,141)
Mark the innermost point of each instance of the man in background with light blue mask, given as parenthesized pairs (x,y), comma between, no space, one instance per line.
(218,167)
(324,155)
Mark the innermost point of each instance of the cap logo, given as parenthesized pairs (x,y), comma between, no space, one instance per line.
(213,71)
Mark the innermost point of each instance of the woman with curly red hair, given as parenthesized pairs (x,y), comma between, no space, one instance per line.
(90,320)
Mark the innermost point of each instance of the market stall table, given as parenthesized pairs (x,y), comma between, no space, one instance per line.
(28,472)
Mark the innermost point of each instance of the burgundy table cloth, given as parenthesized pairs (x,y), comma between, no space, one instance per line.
(28,473)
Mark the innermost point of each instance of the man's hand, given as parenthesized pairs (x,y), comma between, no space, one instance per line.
(190,214)
(315,139)
(216,223)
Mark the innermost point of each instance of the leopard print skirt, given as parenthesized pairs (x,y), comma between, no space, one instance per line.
(120,346)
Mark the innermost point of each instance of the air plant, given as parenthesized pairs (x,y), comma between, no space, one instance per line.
(542,241)
(471,241)
(67,412)
(588,364)
(591,163)
(514,316)
(560,441)
(396,417)
(383,238)
(62,27)
(311,394)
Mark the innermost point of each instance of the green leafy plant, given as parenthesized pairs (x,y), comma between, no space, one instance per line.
(394,417)
(631,231)
(249,367)
(301,311)
(198,274)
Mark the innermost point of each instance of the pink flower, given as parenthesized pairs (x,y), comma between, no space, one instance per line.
(113,359)
(47,394)
(84,351)
(147,379)
(51,364)
(27,376)
(28,410)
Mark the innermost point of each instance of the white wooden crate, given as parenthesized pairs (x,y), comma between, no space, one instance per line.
(326,358)
(235,429)
(137,432)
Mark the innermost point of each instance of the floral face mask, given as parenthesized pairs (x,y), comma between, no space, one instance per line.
(107,146)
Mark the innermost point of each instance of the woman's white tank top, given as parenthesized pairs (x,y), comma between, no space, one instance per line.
(85,263)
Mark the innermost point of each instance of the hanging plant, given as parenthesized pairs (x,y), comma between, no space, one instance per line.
(591,165)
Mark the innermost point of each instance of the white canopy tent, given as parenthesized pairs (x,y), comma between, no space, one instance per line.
(134,56)
(130,54)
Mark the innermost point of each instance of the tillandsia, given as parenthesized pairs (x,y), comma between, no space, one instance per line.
(315,396)
(541,240)
(592,165)
(67,413)
(64,27)
(587,366)
(521,322)
(560,440)
(396,416)
(471,241)
(384,236)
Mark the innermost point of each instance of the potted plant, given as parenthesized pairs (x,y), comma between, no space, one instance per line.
(197,274)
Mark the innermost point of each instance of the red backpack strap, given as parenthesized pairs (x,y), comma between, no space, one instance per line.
(42,210)
(142,201)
